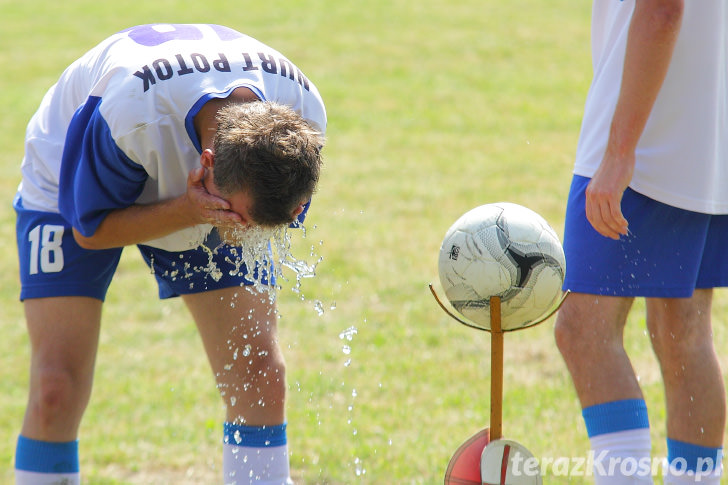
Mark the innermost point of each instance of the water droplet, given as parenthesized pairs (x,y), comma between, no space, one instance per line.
(358,469)
(319,307)
(348,334)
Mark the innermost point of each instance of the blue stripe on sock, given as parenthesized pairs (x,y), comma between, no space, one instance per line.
(255,436)
(615,416)
(46,457)
(696,457)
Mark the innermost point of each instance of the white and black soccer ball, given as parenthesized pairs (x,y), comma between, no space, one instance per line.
(503,250)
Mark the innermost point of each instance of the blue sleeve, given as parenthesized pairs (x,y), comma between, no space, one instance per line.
(96,176)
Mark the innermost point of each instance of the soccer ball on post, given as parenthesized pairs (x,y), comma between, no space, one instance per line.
(503,250)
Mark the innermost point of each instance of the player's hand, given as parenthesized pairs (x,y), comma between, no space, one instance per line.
(206,208)
(604,196)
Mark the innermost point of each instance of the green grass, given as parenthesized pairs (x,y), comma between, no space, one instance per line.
(433,109)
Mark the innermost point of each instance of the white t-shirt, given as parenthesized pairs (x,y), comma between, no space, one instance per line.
(682,156)
(117,127)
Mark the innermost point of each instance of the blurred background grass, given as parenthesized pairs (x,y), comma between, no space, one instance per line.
(434,108)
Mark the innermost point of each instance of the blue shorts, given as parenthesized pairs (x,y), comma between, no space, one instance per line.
(668,253)
(53,264)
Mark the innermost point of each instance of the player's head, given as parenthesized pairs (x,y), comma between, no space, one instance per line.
(270,152)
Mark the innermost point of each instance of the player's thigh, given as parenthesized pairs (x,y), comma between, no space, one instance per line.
(585,319)
(64,335)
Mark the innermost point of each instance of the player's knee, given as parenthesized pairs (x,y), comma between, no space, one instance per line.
(53,397)
(678,346)
(568,335)
(259,382)
(577,340)
(271,366)
(263,368)
(677,332)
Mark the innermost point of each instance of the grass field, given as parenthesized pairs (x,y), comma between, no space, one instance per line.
(433,109)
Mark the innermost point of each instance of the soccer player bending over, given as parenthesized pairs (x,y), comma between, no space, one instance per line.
(173,138)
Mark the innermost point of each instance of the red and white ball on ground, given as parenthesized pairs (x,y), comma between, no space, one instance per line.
(505,250)
(506,462)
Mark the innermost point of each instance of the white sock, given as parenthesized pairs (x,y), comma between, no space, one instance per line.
(623,458)
(243,465)
(23,477)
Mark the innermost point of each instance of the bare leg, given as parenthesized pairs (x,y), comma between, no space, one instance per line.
(238,329)
(239,332)
(682,338)
(64,335)
(590,336)
(589,333)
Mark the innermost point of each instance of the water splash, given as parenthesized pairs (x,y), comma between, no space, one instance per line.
(347,336)
(358,468)
(319,307)
(260,255)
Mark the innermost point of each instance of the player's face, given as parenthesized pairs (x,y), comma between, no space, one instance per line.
(240,203)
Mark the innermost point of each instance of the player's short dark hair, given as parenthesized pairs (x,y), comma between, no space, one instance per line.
(272,153)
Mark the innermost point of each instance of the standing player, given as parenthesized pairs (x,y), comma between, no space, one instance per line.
(163,136)
(653,153)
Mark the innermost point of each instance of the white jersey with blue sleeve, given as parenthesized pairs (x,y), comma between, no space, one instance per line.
(117,128)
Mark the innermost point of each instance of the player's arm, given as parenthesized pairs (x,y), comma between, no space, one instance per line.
(99,185)
(139,223)
(652,35)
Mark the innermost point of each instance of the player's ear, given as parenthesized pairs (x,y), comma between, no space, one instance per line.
(207,159)
(297,211)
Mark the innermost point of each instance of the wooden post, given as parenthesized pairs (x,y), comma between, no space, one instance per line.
(496,370)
